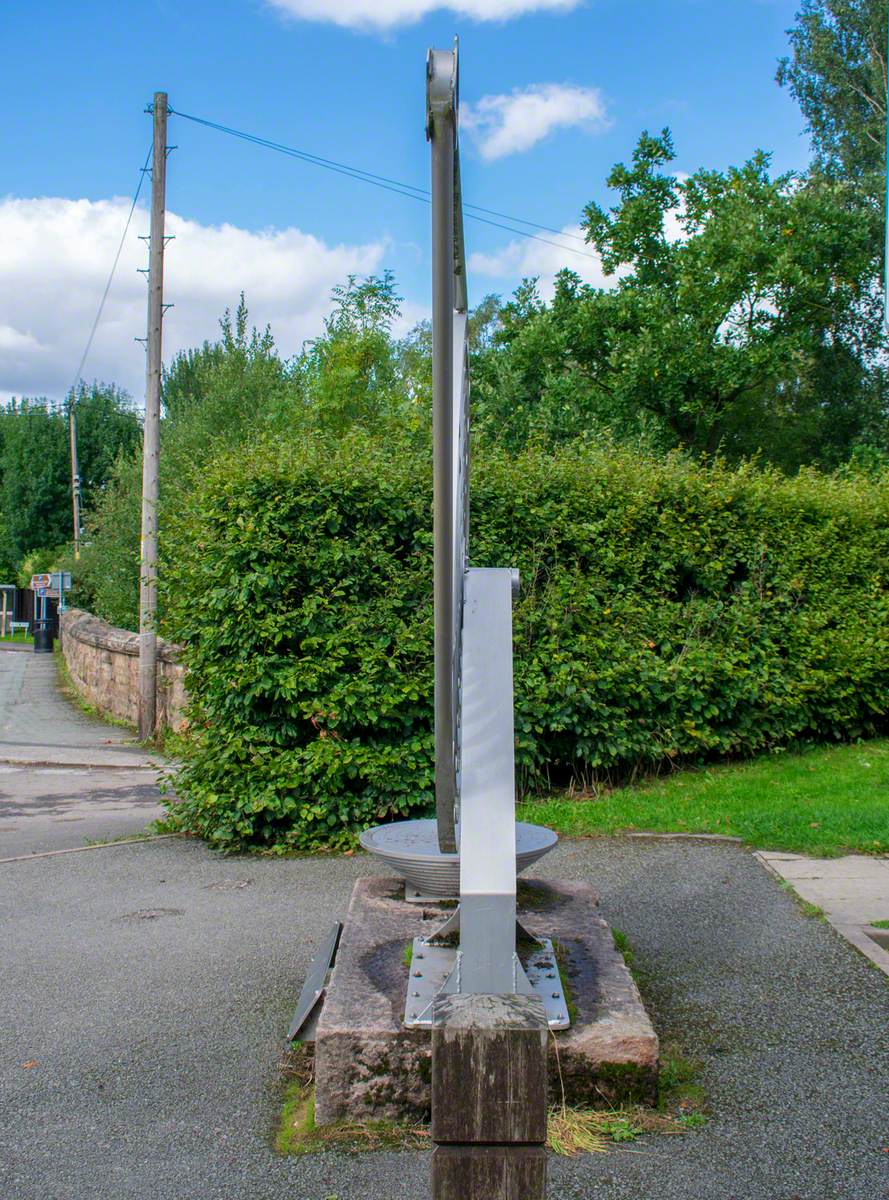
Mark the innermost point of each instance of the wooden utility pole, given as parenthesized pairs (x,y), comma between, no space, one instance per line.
(75,469)
(151,452)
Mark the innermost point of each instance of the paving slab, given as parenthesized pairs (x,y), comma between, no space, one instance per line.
(65,778)
(53,808)
(852,891)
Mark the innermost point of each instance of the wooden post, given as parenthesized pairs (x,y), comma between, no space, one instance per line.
(489,1101)
(151,451)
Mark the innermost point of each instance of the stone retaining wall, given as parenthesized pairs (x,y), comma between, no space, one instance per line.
(103,663)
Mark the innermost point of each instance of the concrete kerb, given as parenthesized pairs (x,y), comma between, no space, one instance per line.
(133,841)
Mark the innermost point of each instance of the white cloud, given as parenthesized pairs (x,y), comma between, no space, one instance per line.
(524,258)
(14,339)
(55,255)
(508,124)
(387,14)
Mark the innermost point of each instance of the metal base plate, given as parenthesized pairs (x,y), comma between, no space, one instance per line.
(413,895)
(305,1018)
(433,971)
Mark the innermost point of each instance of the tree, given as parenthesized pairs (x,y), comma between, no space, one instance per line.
(414,351)
(107,426)
(349,376)
(837,74)
(35,467)
(739,297)
(221,394)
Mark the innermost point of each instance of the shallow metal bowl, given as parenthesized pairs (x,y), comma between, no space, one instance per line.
(411,849)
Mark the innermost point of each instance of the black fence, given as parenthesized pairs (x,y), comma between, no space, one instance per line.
(23,605)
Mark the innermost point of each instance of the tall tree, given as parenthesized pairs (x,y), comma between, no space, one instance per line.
(218,396)
(35,470)
(837,73)
(738,295)
(350,375)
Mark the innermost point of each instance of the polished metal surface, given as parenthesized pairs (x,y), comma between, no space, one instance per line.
(487,785)
(450,430)
(410,848)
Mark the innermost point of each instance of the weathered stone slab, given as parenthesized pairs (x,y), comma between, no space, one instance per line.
(369,1066)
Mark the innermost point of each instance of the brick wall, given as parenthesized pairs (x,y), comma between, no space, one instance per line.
(103,663)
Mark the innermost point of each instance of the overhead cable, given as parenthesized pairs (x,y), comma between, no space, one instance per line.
(101,308)
(393,185)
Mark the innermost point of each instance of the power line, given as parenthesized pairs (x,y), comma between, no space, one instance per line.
(101,308)
(394,185)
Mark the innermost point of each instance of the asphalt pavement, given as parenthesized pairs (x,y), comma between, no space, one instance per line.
(65,778)
(145,990)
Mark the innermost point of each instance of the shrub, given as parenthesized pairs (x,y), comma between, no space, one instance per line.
(668,611)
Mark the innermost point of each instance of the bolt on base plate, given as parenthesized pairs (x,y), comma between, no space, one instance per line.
(433,969)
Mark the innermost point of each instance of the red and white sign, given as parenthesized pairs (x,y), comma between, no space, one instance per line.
(41,583)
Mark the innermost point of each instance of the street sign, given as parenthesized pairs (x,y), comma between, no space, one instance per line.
(52,584)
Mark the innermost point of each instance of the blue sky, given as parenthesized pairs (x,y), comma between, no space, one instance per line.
(346,82)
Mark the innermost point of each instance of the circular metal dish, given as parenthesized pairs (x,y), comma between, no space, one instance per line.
(411,849)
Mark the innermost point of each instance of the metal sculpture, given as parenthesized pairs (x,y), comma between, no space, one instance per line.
(474,838)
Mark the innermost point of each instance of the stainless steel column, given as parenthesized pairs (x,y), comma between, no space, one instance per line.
(441,131)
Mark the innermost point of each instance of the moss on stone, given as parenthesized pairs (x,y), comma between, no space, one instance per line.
(563,965)
(298,1133)
(626,1082)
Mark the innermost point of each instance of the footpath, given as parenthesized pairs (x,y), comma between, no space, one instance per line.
(65,778)
(852,892)
(147,987)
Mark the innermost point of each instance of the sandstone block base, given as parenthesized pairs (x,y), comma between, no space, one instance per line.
(369,1067)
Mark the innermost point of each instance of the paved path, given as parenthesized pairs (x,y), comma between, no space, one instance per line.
(64,777)
(38,724)
(852,891)
(145,990)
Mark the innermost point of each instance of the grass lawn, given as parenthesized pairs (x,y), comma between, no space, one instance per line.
(19,639)
(825,802)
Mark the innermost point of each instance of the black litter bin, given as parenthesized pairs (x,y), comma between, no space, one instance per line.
(43,636)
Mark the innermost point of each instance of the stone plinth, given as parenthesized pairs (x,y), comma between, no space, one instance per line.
(368,1066)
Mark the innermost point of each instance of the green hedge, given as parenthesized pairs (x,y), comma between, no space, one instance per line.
(668,611)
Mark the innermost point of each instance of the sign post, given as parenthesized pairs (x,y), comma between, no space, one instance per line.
(61,583)
(42,586)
